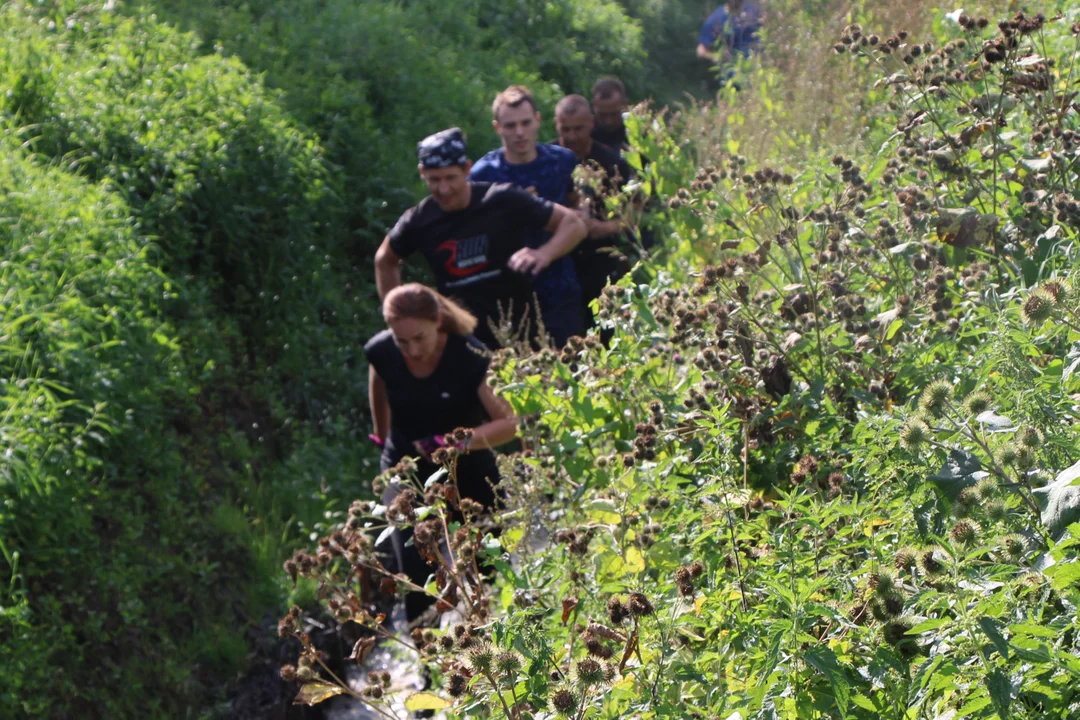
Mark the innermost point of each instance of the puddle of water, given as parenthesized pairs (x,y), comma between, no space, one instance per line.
(403,666)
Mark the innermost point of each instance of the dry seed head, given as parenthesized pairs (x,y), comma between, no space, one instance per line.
(640,605)
(1037,308)
(617,611)
(1014,546)
(930,562)
(563,701)
(965,532)
(587,673)
(457,685)
(905,558)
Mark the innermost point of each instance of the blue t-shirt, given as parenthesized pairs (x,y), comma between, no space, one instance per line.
(739,32)
(552,174)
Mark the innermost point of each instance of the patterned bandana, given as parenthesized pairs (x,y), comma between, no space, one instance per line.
(443,149)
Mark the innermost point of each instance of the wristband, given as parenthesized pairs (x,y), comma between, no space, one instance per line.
(378,441)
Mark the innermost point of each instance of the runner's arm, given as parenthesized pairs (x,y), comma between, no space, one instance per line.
(502,428)
(380,406)
(387,268)
(568,230)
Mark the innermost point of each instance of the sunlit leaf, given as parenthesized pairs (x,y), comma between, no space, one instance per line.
(426,701)
(316,691)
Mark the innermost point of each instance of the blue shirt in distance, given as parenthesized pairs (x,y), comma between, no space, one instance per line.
(739,32)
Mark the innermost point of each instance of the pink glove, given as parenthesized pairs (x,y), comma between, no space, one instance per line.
(430,444)
(376,440)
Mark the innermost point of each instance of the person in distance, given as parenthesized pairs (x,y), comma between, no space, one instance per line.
(609,102)
(729,31)
(428,377)
(472,235)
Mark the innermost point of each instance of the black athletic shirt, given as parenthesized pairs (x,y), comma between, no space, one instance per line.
(594,266)
(617,171)
(468,249)
(436,405)
(614,138)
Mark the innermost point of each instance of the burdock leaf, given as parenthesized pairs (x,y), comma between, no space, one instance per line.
(992,629)
(1036,164)
(960,470)
(426,701)
(316,691)
(1060,501)
(994,421)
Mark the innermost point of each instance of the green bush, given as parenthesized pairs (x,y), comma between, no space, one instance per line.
(174,315)
(372,78)
(826,467)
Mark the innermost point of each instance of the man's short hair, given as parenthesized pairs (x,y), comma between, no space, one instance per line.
(572,105)
(606,88)
(513,96)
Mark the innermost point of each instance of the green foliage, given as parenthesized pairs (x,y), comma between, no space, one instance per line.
(170,337)
(372,78)
(803,479)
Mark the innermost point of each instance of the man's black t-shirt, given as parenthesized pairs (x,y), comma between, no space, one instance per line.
(468,250)
(446,399)
(612,137)
(617,171)
(595,265)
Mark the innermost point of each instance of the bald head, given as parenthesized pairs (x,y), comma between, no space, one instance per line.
(573,105)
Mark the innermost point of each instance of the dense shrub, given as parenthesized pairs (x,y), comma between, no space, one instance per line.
(834,474)
(371,78)
(173,317)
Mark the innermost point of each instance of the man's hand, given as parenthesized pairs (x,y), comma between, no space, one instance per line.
(529,261)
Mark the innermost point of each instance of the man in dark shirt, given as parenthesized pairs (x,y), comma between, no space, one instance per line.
(730,31)
(547,171)
(472,234)
(603,174)
(609,103)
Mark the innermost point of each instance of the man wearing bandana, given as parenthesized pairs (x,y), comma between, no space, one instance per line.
(472,235)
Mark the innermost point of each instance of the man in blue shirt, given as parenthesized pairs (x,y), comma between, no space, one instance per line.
(731,30)
(546,171)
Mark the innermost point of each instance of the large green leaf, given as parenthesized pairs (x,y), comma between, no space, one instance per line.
(824,660)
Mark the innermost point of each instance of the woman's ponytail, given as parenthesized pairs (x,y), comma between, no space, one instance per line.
(420,302)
